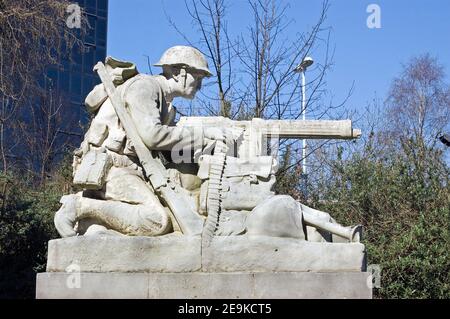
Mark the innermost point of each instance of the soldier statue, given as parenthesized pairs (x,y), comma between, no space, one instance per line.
(115,194)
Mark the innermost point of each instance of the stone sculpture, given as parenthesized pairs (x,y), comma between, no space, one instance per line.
(187,210)
(121,196)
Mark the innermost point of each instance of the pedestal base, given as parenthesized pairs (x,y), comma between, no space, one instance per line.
(265,285)
(183,254)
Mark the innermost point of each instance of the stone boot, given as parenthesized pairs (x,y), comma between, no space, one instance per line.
(66,216)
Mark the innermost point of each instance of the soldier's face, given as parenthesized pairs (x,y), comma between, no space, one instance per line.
(193,84)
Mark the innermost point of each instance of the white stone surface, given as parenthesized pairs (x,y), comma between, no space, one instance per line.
(286,285)
(261,253)
(171,253)
(276,216)
(175,253)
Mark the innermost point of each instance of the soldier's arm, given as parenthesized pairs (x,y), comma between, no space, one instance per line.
(143,98)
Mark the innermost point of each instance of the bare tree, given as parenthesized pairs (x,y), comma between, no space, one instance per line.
(209,16)
(33,34)
(255,71)
(404,129)
(269,58)
(45,132)
(418,105)
(255,74)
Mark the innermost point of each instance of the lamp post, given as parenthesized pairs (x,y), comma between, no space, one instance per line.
(301,68)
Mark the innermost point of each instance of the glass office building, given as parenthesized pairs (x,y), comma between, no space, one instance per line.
(75,78)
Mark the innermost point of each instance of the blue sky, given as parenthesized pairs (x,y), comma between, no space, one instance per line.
(370,58)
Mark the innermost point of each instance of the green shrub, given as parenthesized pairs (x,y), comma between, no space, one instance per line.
(26,226)
(406,216)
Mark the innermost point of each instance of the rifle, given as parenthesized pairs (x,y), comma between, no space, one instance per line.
(189,221)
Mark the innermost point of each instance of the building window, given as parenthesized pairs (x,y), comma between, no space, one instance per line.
(102,8)
(52,78)
(77,57)
(74,75)
(64,81)
(90,32)
(100,55)
(89,59)
(87,86)
(75,84)
(90,6)
(101,32)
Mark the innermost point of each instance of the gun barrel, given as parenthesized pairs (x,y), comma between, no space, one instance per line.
(310,129)
(296,129)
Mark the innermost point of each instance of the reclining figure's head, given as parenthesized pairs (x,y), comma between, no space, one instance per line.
(187,67)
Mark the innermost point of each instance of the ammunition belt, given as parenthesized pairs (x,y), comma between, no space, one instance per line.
(213,200)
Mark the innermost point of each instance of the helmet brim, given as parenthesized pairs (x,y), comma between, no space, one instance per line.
(205,72)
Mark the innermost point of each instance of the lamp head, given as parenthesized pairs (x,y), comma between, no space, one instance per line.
(306,63)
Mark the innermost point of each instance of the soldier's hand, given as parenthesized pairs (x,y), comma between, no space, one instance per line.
(212,135)
(218,134)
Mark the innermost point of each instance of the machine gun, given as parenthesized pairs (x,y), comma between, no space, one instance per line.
(251,158)
(252,136)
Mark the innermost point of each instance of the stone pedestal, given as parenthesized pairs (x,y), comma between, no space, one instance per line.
(275,285)
(175,266)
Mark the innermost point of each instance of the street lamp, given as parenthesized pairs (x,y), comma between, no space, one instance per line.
(301,68)
(306,63)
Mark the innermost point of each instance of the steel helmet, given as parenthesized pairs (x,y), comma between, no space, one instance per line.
(185,56)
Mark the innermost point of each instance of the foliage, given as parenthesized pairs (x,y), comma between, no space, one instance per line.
(406,216)
(396,182)
(289,176)
(26,226)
